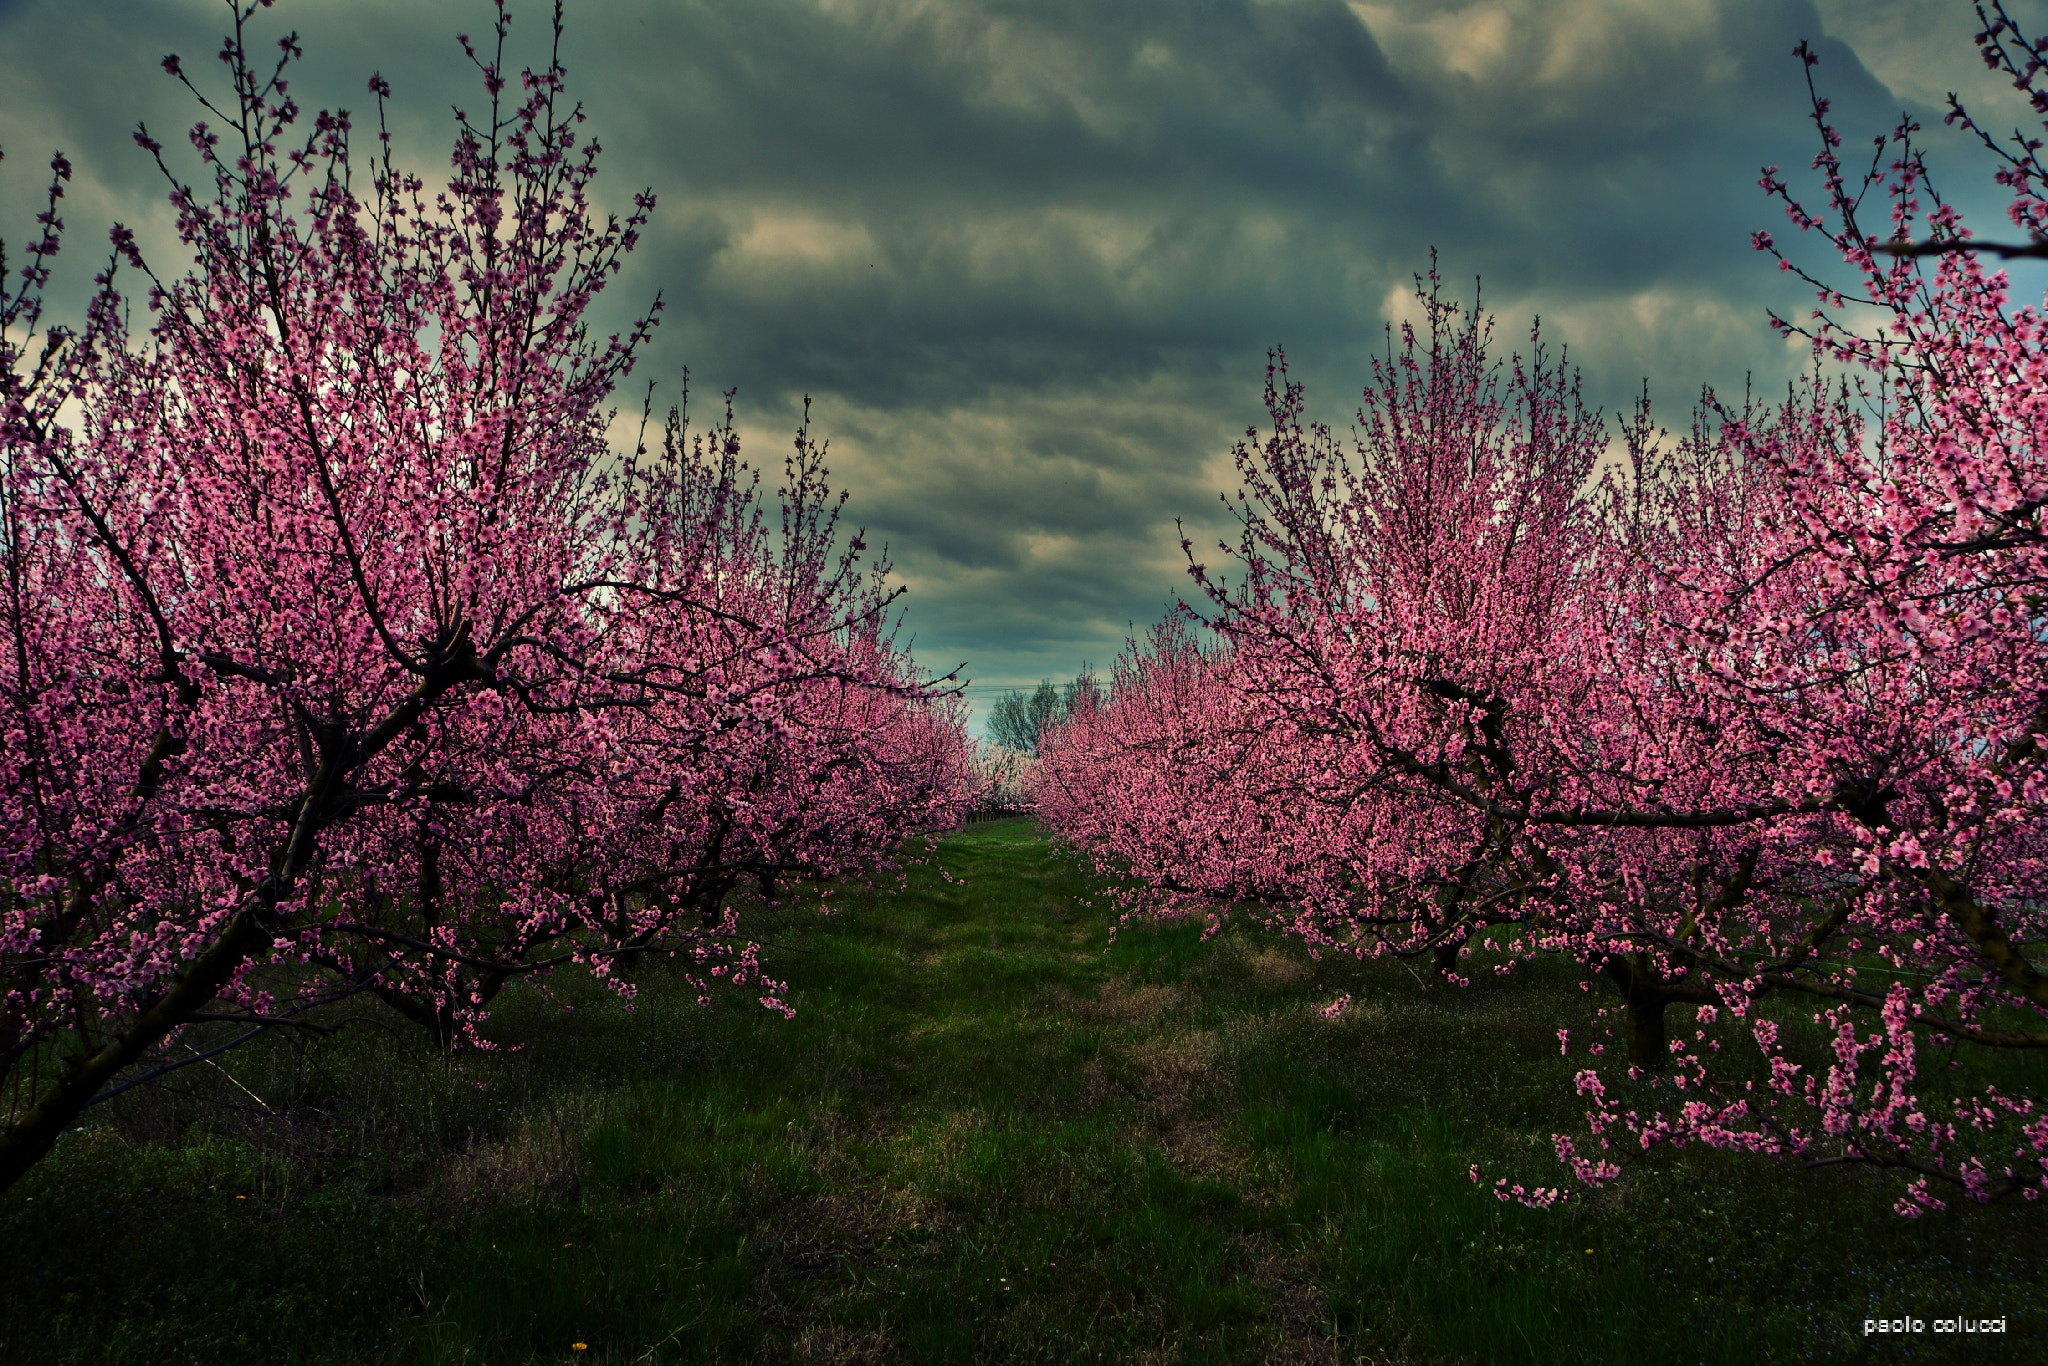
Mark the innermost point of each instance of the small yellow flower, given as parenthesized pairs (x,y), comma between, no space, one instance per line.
(580,1346)
(1589,1252)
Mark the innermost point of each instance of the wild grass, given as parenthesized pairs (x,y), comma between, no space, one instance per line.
(990,1135)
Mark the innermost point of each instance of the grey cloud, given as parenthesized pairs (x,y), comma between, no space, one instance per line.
(1029,256)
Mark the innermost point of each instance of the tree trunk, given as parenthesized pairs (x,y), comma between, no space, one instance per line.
(1643,998)
(1646,1046)
(25,1142)
(438,1018)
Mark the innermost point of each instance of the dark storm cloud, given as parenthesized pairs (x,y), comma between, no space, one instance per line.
(1028,257)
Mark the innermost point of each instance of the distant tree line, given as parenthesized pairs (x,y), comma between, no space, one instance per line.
(1018,721)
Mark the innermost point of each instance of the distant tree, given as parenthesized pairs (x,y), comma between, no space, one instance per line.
(1084,693)
(1015,720)
(1018,721)
(1006,723)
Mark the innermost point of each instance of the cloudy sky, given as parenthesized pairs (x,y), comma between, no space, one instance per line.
(1028,256)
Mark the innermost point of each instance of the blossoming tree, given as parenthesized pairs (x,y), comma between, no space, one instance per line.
(1746,722)
(342,654)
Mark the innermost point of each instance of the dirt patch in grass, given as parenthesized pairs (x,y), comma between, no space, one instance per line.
(834,1346)
(1177,1073)
(1271,966)
(1127,1003)
(541,1159)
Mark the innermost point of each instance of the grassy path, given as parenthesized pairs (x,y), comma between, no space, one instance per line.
(988,1136)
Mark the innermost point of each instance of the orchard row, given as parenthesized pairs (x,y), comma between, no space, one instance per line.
(1750,722)
(340,655)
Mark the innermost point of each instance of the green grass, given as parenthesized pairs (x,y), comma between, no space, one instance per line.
(990,1135)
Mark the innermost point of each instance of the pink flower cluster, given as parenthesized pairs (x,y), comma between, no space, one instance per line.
(339,653)
(1749,720)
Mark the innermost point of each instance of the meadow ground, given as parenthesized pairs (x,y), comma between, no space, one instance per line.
(990,1135)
